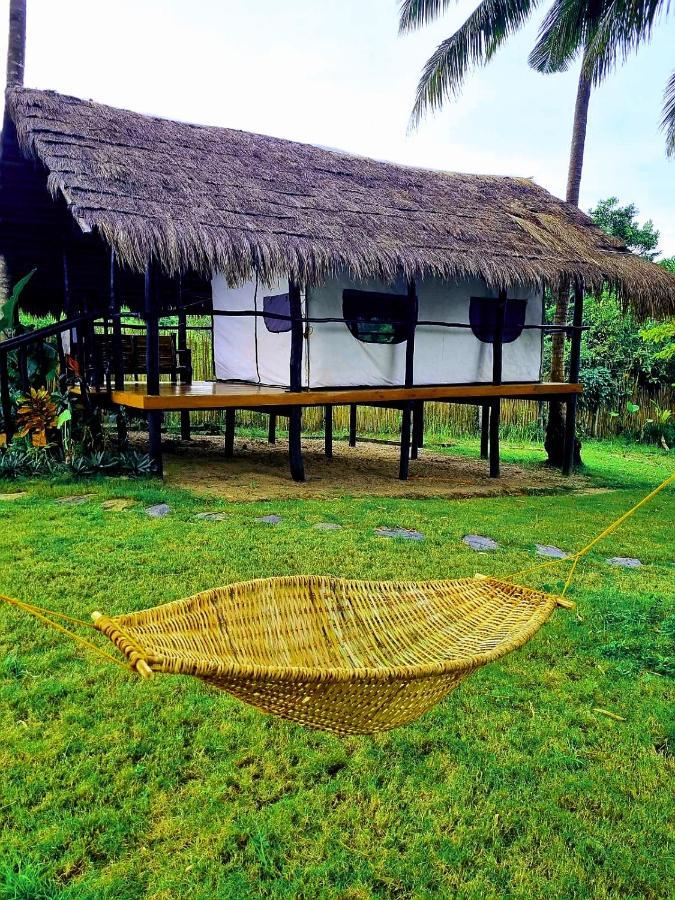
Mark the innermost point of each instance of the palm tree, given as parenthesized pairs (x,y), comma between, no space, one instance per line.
(16,48)
(602,31)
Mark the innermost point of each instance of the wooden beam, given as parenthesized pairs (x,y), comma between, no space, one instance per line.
(295,443)
(151,329)
(418,428)
(114,309)
(575,363)
(220,395)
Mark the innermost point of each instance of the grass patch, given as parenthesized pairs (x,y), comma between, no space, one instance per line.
(514,786)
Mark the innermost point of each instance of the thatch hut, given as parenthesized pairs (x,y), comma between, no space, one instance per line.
(331,278)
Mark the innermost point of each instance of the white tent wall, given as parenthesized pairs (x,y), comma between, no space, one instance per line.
(245,350)
(442,355)
(238,340)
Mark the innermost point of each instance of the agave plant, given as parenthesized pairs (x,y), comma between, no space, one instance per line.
(36,414)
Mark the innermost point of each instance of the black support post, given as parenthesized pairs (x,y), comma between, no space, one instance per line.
(352,424)
(495,406)
(417,428)
(114,309)
(328,431)
(185,377)
(272,429)
(152,363)
(575,360)
(484,430)
(406,417)
(5,399)
(295,412)
(229,432)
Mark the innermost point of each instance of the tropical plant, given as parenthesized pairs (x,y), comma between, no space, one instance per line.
(621,222)
(36,415)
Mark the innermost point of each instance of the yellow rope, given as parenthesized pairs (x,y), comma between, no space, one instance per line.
(43,615)
(575,557)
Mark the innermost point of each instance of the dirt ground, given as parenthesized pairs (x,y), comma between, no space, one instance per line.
(259,471)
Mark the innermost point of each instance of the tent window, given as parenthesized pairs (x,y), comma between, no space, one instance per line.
(483,319)
(376,318)
(277,305)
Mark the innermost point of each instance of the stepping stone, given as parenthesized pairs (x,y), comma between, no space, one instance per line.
(406,534)
(627,562)
(269,520)
(478,542)
(117,504)
(211,516)
(326,526)
(159,510)
(16,495)
(75,500)
(550,550)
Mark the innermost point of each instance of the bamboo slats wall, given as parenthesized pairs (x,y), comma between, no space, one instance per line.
(519,418)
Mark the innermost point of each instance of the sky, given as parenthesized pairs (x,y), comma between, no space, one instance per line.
(336,73)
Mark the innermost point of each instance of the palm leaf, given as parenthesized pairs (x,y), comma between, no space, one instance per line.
(668,120)
(8,313)
(416,13)
(474,44)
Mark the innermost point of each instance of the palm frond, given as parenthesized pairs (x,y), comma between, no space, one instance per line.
(668,120)
(624,26)
(416,13)
(563,33)
(474,44)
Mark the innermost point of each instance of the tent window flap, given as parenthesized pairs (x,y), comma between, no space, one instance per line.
(376,318)
(483,319)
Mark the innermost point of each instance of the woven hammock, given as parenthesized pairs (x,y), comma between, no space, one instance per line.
(351,657)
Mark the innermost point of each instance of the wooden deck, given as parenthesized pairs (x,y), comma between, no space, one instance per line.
(225,395)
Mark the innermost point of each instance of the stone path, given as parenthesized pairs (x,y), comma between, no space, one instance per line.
(16,495)
(269,520)
(327,526)
(211,516)
(158,511)
(478,542)
(406,534)
(117,504)
(74,500)
(550,550)
(627,562)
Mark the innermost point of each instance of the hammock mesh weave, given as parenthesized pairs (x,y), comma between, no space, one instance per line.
(350,657)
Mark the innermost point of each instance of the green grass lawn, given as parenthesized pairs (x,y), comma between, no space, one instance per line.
(515,785)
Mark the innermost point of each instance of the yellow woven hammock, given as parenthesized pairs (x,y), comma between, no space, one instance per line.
(350,657)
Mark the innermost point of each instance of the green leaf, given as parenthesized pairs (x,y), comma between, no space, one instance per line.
(632,407)
(64,417)
(8,316)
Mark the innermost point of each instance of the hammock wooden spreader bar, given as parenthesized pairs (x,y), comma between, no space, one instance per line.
(350,657)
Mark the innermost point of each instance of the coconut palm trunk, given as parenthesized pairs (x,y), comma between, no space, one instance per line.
(16,46)
(555,427)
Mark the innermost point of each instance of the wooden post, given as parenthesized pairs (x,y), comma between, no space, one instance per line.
(406,418)
(229,432)
(114,309)
(295,412)
(272,429)
(185,377)
(5,399)
(484,430)
(152,362)
(352,424)
(495,411)
(328,431)
(418,428)
(575,362)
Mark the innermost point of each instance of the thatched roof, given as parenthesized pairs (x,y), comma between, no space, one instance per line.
(204,198)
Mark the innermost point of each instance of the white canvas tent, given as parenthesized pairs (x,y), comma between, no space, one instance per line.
(257,348)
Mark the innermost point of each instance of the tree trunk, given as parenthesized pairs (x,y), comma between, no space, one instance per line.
(555,428)
(16,44)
